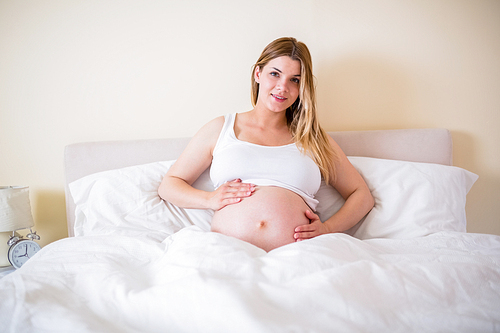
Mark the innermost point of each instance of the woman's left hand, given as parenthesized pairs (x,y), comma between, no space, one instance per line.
(313,229)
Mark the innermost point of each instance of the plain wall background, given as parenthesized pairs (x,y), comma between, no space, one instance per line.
(84,70)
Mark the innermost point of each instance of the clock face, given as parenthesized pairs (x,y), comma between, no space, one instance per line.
(20,252)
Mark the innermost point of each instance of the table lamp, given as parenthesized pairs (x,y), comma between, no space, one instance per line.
(15,214)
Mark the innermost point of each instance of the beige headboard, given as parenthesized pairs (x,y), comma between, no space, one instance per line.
(416,145)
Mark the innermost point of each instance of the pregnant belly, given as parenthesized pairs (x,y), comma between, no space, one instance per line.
(266,219)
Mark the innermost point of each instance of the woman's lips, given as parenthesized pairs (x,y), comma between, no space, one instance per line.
(279,98)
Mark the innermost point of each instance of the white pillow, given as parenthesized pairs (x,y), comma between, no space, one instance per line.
(126,201)
(411,199)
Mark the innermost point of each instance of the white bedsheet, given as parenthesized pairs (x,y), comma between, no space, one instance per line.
(198,281)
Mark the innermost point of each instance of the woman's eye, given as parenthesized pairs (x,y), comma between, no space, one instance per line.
(274,73)
(295,80)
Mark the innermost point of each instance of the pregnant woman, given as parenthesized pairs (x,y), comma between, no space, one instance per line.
(267,163)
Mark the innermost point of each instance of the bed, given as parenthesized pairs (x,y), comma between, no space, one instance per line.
(133,263)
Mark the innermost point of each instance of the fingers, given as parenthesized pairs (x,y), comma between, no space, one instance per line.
(305,232)
(237,189)
(231,192)
(311,216)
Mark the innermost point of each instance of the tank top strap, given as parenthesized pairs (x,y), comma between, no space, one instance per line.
(227,132)
(229,120)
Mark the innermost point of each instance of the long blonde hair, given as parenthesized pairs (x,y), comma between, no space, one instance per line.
(301,117)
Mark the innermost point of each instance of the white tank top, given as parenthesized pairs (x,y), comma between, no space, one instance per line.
(283,166)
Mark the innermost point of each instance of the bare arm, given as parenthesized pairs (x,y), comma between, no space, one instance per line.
(358,201)
(176,185)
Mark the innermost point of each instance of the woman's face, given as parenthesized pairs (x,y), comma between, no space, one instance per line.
(279,83)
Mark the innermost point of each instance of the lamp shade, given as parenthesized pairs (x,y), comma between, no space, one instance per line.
(15,208)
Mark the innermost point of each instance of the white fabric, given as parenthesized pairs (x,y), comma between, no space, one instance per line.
(197,281)
(411,199)
(283,166)
(141,265)
(126,201)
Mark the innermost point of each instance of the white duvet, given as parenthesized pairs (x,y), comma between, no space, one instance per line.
(141,265)
(198,281)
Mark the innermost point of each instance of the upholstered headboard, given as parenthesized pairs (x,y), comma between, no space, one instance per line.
(416,145)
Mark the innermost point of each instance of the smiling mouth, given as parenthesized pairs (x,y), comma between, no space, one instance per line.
(278,97)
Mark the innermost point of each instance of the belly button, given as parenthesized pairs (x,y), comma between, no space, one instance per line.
(262,224)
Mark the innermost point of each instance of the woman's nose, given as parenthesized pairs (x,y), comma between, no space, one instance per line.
(283,85)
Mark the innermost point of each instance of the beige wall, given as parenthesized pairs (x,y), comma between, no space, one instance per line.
(78,70)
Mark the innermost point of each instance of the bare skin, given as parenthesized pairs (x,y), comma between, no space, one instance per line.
(267,217)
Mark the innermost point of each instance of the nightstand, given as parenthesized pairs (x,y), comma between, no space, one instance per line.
(6,270)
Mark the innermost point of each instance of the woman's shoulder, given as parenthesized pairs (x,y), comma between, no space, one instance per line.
(216,122)
(335,146)
(212,128)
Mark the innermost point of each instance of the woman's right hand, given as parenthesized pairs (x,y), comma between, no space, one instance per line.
(230,193)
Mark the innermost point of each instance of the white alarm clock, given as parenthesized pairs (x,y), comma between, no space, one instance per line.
(22,249)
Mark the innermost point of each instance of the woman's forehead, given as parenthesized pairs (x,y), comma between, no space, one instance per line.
(285,64)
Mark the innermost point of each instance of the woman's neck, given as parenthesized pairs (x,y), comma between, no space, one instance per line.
(264,118)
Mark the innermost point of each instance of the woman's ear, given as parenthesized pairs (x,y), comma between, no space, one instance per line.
(256,74)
